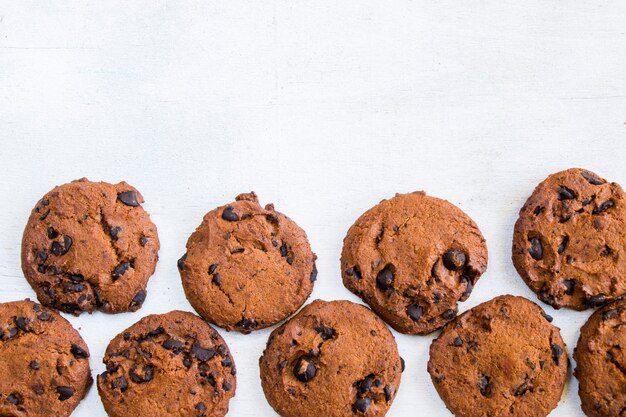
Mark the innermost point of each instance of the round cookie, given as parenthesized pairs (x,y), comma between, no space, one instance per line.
(168,364)
(247,267)
(332,359)
(501,358)
(90,245)
(44,362)
(569,239)
(412,258)
(600,357)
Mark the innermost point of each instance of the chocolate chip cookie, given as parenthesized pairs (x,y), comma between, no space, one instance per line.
(332,359)
(90,245)
(412,258)
(501,358)
(601,362)
(168,364)
(247,267)
(44,363)
(568,243)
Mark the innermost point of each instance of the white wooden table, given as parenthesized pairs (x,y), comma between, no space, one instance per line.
(322,107)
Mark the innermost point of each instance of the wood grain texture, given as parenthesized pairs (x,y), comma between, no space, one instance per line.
(321,107)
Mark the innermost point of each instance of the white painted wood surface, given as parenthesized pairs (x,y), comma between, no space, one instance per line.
(322,107)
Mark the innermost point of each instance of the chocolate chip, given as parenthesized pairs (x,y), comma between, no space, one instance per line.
(563,244)
(76,278)
(44,216)
(14,399)
(484,384)
(547,317)
(414,312)
(557,351)
(73,288)
(212,268)
(45,202)
(143,240)
(602,207)
(361,405)
(45,316)
(65,393)
(281,365)
(34,364)
(229,214)
(449,314)
(536,249)
(606,251)
(227,362)
(354,271)
(181,262)
(200,407)
(457,341)
(202,354)
(138,299)
(52,233)
(217,280)
(565,193)
(384,279)
(79,352)
(402,364)
(365,385)
(325,333)
(522,389)
(313,276)
(59,249)
(121,270)
(596,300)
(114,232)
(119,383)
(172,344)
(226,386)
(570,286)
(304,369)
(129,198)
(538,210)
(454,260)
(246,324)
(284,251)
(139,379)
(388,393)
(609,314)
(592,179)
(22,324)
(187,360)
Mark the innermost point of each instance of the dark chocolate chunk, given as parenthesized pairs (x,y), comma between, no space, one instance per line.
(313,276)
(384,279)
(65,393)
(570,286)
(22,323)
(454,260)
(602,207)
(566,193)
(129,198)
(114,232)
(121,270)
(563,244)
(119,383)
(79,352)
(229,214)
(14,399)
(592,179)
(414,312)
(139,298)
(202,354)
(536,249)
(181,262)
(484,384)
(557,351)
(172,344)
(304,369)
(59,249)
(362,404)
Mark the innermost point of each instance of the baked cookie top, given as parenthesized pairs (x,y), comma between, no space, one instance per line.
(247,267)
(600,357)
(332,359)
(168,364)
(412,258)
(44,362)
(90,245)
(501,358)
(568,242)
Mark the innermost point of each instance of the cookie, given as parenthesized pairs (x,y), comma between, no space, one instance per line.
(331,359)
(44,362)
(568,243)
(247,267)
(168,364)
(501,358)
(600,357)
(412,258)
(90,245)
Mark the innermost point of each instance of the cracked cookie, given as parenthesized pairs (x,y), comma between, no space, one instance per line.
(247,267)
(600,357)
(412,258)
(569,239)
(168,364)
(44,362)
(501,358)
(90,246)
(332,359)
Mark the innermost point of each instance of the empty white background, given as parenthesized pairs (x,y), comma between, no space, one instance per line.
(322,107)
